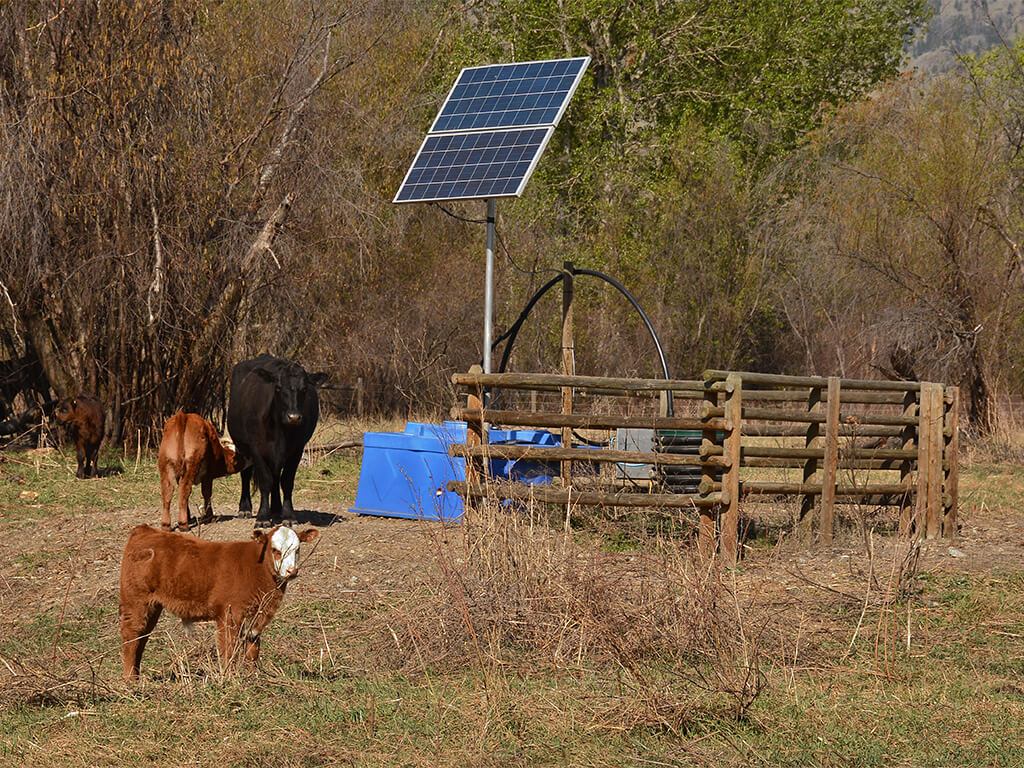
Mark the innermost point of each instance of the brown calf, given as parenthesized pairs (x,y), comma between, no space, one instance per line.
(238,584)
(191,452)
(83,421)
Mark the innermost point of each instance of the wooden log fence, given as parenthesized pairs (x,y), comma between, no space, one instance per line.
(847,440)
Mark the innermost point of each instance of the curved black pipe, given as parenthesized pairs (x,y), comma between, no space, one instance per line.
(513,330)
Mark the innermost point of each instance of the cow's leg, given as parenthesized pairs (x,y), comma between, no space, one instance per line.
(92,457)
(184,491)
(252,649)
(245,501)
(270,500)
(229,632)
(287,485)
(167,483)
(80,455)
(137,624)
(275,499)
(207,488)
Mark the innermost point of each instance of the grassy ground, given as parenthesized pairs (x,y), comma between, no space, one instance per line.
(405,643)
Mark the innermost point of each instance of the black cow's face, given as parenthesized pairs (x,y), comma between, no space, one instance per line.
(294,389)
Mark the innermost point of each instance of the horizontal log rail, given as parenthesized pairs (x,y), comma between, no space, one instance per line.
(805,395)
(550,495)
(535,380)
(775,452)
(845,430)
(714,378)
(891,465)
(648,394)
(811,417)
(549,453)
(748,487)
(582,420)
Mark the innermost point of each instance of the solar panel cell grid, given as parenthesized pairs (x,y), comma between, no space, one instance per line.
(485,164)
(509,95)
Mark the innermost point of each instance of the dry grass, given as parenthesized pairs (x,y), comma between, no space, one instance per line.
(524,638)
(670,630)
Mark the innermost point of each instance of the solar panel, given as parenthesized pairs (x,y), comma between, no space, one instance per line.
(460,166)
(510,95)
(491,131)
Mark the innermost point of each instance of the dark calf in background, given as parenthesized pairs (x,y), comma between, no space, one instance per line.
(83,421)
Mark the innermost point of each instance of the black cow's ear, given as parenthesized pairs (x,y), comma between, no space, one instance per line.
(316,379)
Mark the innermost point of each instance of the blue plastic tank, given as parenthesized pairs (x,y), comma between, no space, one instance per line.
(406,474)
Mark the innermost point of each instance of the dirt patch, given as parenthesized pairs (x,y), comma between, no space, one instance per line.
(60,566)
(57,565)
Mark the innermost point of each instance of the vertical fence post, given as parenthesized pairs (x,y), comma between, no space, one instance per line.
(731,480)
(951,470)
(474,431)
(706,541)
(568,364)
(910,441)
(809,501)
(929,462)
(924,448)
(935,429)
(359,397)
(831,462)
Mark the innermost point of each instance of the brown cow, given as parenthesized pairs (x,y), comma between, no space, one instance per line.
(83,421)
(238,584)
(191,452)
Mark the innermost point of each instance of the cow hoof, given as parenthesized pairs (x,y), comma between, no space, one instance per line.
(263,523)
(207,519)
(166,526)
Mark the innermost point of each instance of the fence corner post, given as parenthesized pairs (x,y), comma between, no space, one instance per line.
(707,544)
(831,463)
(809,501)
(474,429)
(951,463)
(731,480)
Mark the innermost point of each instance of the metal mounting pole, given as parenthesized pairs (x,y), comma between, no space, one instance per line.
(489,295)
(489,287)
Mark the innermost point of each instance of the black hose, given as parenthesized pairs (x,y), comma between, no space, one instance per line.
(513,330)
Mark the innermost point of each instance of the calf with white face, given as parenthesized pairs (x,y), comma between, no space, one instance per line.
(238,584)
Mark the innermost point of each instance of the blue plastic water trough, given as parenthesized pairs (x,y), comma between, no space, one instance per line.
(406,474)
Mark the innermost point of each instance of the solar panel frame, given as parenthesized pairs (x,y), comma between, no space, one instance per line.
(529,93)
(491,103)
(473,165)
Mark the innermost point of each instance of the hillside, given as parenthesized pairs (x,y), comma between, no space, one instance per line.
(965,27)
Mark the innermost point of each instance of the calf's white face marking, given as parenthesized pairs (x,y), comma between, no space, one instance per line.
(285,547)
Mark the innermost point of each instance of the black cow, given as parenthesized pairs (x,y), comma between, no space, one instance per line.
(21,376)
(272,411)
(28,420)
